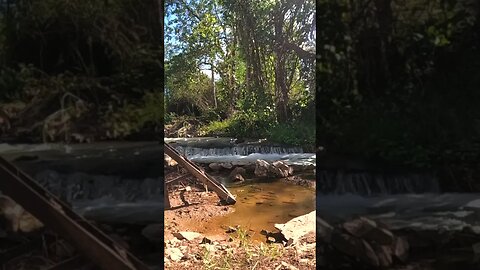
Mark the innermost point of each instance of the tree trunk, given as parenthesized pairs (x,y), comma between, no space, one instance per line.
(213,84)
(281,90)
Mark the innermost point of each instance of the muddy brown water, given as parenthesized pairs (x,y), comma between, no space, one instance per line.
(260,206)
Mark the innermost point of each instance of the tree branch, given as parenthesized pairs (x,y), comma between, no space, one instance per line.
(190,10)
(304,54)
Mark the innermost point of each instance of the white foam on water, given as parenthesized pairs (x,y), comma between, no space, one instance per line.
(416,211)
(291,159)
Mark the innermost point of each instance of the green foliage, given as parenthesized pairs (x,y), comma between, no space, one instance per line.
(254,125)
(105,54)
(216,128)
(133,117)
(14,80)
(297,134)
(398,83)
(270,250)
(242,236)
(237,40)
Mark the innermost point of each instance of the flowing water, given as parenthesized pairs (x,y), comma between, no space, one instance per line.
(260,204)
(409,200)
(374,183)
(208,150)
(123,181)
(115,182)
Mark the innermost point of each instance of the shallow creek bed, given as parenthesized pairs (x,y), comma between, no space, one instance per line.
(202,233)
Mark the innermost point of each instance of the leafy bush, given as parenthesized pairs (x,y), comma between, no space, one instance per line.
(296,133)
(252,125)
(217,128)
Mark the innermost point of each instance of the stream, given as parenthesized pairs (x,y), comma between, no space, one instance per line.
(260,203)
(122,182)
(118,182)
(408,201)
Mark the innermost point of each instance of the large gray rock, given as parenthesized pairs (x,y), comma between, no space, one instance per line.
(355,247)
(261,168)
(368,229)
(283,170)
(365,240)
(298,227)
(276,169)
(383,253)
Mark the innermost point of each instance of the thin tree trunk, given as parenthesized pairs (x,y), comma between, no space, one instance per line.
(281,90)
(213,84)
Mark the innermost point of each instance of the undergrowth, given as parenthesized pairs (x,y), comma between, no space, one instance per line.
(249,255)
(295,133)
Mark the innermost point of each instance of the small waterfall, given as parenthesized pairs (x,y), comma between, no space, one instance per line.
(106,198)
(82,187)
(367,184)
(242,150)
(207,150)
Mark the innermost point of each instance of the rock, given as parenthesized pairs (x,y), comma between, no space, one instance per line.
(473,205)
(214,166)
(368,229)
(324,230)
(239,170)
(381,236)
(205,240)
(261,168)
(174,241)
(226,165)
(231,229)
(238,174)
(400,248)
(153,232)
(359,227)
(355,247)
(384,255)
(174,254)
(276,169)
(169,161)
(189,236)
(283,169)
(238,178)
(365,241)
(209,247)
(298,227)
(18,219)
